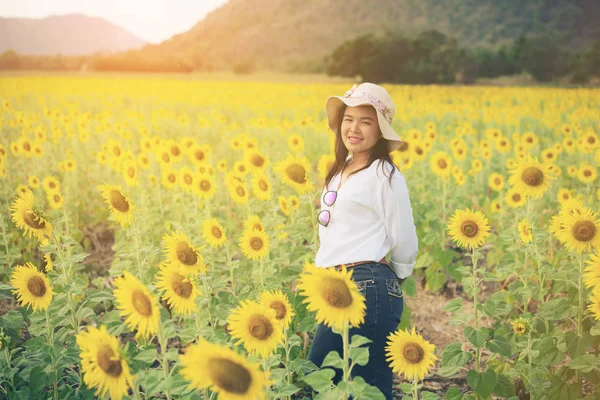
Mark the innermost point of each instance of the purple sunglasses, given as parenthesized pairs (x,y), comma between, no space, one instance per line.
(328,198)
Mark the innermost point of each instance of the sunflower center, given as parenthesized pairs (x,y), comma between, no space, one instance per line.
(229,375)
(118,201)
(260,327)
(182,288)
(188,180)
(419,150)
(172,178)
(166,158)
(141,303)
(263,185)
(256,243)
(442,163)
(33,220)
(336,293)
(280,310)
(175,151)
(584,231)
(205,186)
(131,172)
(186,254)
(296,172)
(413,353)
(516,197)
(240,191)
(257,160)
(532,176)
(36,286)
(106,361)
(520,329)
(591,140)
(216,232)
(587,172)
(469,228)
(497,181)
(199,154)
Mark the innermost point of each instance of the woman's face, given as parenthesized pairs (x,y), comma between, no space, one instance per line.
(360,128)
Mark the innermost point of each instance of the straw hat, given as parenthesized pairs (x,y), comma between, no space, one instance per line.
(371,94)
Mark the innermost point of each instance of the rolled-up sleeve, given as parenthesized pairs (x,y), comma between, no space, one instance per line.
(392,203)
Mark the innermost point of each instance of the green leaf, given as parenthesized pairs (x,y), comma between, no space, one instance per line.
(320,380)
(585,363)
(577,345)
(360,355)
(360,389)
(476,337)
(12,320)
(595,331)
(147,356)
(287,389)
(406,317)
(409,286)
(454,305)
(555,309)
(333,359)
(482,383)
(358,340)
(429,396)
(500,345)
(547,352)
(435,277)
(504,387)
(453,394)
(454,356)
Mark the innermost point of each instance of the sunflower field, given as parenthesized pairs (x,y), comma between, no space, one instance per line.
(158,238)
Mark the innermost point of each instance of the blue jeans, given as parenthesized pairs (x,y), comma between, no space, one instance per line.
(383,295)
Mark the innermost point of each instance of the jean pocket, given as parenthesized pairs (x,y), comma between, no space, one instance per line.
(368,290)
(395,296)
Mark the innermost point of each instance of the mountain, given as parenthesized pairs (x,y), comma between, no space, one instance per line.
(275,33)
(73,34)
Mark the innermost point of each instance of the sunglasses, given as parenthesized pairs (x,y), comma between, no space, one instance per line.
(328,198)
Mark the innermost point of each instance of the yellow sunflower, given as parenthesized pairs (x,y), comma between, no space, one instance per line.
(55,200)
(187,178)
(180,290)
(326,162)
(213,233)
(256,160)
(26,216)
(296,143)
(279,302)
(205,187)
(520,326)
(333,295)
(261,187)
(524,229)
(514,198)
(294,172)
(591,277)
(119,204)
(241,168)
(294,201)
(33,181)
(594,306)
(469,228)
(409,354)
(256,327)
(137,304)
(496,206)
(169,177)
(51,184)
(239,193)
(587,173)
(284,205)
(563,195)
(253,222)
(32,287)
(581,230)
(101,363)
(531,177)
(224,371)
(254,244)
(440,164)
(496,182)
(183,254)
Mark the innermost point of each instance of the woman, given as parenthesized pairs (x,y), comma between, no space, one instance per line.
(366,212)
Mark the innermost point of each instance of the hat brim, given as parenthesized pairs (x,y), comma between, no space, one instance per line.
(333,105)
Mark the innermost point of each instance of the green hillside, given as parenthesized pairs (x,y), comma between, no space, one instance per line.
(272,34)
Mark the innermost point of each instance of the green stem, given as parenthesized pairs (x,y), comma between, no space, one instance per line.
(50,343)
(477,350)
(165,361)
(207,294)
(136,233)
(415,389)
(345,340)
(8,362)
(443,212)
(231,277)
(581,298)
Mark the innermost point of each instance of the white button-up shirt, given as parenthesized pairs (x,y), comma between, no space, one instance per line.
(369,218)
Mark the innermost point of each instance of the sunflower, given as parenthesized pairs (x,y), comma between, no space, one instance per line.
(69,165)
(594,307)
(119,204)
(55,200)
(440,163)
(33,181)
(143,161)
(469,228)
(26,216)
(549,155)
(31,287)
(181,253)
(254,244)
(409,354)
(204,186)
(514,198)
(137,304)
(496,182)
(239,193)
(284,205)
(587,174)
(520,326)
(101,363)
(253,222)
(197,154)
(241,168)
(591,277)
(326,161)
(169,178)
(222,165)
(129,172)
(51,184)
(256,160)
(294,172)
(213,233)
(563,195)
(256,327)
(224,371)
(524,229)
(180,290)
(279,302)
(294,201)
(186,179)
(531,177)
(581,230)
(261,186)
(496,206)
(333,295)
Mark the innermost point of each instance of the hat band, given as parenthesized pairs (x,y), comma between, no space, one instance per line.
(378,104)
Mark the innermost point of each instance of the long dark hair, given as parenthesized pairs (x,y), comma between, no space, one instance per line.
(378,152)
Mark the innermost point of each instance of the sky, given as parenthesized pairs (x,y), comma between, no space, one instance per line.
(150,20)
